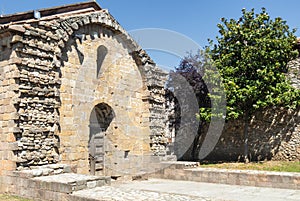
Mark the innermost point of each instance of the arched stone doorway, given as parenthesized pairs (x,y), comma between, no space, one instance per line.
(100,119)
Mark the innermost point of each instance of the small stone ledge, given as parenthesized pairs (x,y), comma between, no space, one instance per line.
(45,170)
(28,184)
(70,182)
(286,180)
(180,164)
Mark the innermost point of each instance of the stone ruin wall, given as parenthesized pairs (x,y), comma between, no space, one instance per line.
(36,101)
(273,135)
(32,63)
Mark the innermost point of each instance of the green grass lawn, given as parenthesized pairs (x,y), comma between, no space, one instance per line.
(279,166)
(4,197)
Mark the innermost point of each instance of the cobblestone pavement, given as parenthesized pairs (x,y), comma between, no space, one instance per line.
(110,193)
(168,190)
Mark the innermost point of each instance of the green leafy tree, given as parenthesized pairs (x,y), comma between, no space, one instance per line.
(251,55)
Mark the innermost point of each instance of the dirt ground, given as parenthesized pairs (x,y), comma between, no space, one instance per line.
(279,166)
(11,198)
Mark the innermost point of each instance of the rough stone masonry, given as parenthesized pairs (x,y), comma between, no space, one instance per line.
(75,88)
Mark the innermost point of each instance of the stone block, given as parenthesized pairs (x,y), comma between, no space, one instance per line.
(79,187)
(33,184)
(247,179)
(233,178)
(62,188)
(23,182)
(91,184)
(29,193)
(11,137)
(7,165)
(67,169)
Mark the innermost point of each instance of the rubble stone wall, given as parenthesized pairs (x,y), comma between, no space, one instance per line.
(38,97)
(274,134)
(294,72)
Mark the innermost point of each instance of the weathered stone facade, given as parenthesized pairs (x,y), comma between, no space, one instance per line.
(60,69)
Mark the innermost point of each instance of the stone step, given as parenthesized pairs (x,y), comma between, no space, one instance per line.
(51,182)
(69,182)
(158,168)
(179,164)
(45,170)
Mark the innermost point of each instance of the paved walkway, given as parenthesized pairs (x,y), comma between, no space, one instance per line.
(169,190)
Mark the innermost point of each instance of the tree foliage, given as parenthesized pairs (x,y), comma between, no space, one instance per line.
(251,55)
(192,68)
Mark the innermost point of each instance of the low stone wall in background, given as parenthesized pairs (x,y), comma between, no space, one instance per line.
(286,180)
(273,135)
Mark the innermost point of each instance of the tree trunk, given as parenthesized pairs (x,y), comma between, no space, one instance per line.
(195,150)
(246,149)
(198,140)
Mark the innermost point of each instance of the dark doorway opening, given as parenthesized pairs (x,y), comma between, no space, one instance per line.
(100,119)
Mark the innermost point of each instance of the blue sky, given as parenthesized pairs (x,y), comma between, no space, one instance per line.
(194,19)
